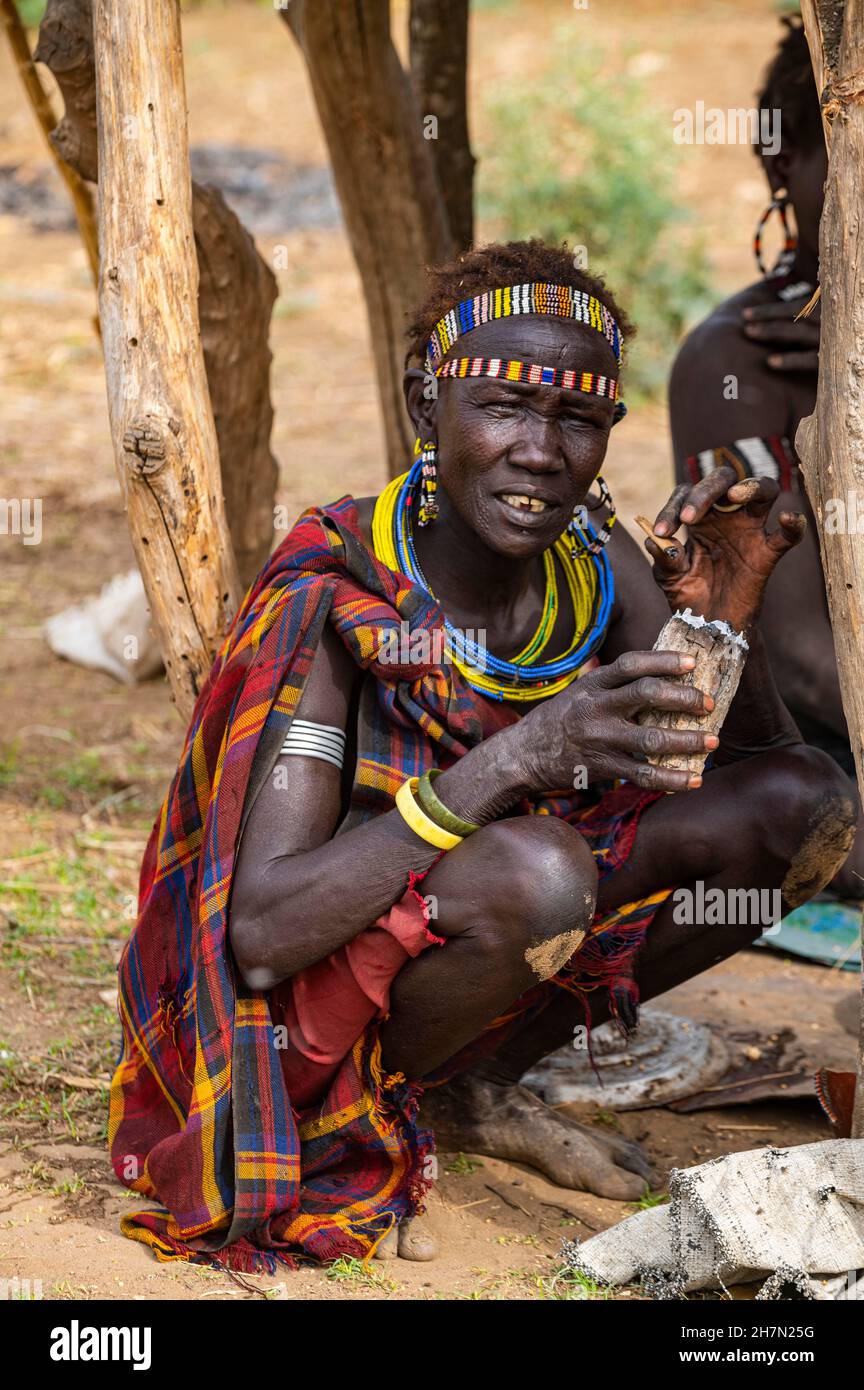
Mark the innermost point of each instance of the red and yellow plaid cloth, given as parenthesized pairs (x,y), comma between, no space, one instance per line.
(200,1120)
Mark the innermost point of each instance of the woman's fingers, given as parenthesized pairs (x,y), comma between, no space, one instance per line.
(657,779)
(669,518)
(758,495)
(632,666)
(654,742)
(774,309)
(790,529)
(778,325)
(706,492)
(793,361)
(654,693)
(781,309)
(785,332)
(676,561)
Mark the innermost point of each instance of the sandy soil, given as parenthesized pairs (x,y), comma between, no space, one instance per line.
(84,762)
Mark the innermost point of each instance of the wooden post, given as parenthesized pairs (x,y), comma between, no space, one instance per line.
(439,71)
(385,175)
(161,419)
(830,442)
(236,292)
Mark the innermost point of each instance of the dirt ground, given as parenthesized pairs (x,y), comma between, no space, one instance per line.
(84,762)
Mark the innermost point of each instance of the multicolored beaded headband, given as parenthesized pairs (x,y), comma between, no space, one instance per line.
(561,301)
(531,373)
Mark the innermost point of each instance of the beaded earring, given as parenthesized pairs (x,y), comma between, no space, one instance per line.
(428,510)
(576,530)
(779,204)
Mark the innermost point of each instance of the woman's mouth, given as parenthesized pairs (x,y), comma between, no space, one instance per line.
(525,510)
(518,499)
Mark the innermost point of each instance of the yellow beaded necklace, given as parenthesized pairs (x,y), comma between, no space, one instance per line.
(581,582)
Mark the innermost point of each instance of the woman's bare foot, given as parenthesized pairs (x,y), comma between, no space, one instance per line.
(411,1240)
(471,1114)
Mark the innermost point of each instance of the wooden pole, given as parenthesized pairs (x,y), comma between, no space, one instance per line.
(236,292)
(161,418)
(41,104)
(439,70)
(385,175)
(830,442)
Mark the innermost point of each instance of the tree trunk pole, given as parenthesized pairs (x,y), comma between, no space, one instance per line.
(439,71)
(41,104)
(385,174)
(236,293)
(830,442)
(159,408)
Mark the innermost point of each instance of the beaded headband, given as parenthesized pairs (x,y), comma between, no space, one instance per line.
(533,374)
(562,301)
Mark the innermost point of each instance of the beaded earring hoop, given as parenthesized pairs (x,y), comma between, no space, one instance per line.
(428,460)
(576,532)
(785,260)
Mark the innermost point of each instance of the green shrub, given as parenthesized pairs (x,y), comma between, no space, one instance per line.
(31,12)
(580,158)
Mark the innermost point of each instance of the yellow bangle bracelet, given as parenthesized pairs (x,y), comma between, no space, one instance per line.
(415,817)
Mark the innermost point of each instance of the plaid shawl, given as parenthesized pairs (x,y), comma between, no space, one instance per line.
(199,1117)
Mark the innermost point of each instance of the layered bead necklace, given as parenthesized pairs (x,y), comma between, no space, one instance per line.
(524,678)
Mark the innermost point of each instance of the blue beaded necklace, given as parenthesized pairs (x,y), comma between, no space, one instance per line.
(469,653)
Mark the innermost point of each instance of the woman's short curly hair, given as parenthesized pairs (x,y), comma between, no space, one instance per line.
(497,266)
(790,87)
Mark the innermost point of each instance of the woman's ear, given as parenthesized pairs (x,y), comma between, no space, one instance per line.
(421,400)
(776,171)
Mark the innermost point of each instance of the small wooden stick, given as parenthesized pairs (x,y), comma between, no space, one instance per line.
(671,547)
(810,305)
(517,1206)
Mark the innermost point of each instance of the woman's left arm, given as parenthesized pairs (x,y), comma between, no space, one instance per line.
(722,573)
(758,720)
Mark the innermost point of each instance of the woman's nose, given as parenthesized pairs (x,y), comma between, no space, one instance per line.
(538,447)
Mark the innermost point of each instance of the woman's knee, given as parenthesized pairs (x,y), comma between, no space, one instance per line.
(527,893)
(807,811)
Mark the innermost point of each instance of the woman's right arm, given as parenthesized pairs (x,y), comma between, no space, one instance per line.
(299,894)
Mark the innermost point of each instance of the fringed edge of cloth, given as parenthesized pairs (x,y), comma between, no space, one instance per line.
(392,1111)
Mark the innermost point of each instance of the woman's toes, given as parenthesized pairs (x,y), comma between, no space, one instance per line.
(605,1180)
(389,1246)
(626,1153)
(629,1155)
(417,1241)
(638,1163)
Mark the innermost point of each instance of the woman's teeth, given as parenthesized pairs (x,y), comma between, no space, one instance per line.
(528,504)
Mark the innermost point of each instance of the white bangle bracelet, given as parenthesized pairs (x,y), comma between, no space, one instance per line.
(307,740)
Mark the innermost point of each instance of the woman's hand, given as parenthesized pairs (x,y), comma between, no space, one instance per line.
(730,556)
(590,727)
(775,326)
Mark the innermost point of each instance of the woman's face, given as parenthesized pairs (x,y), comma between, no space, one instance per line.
(802,172)
(806,173)
(514,460)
